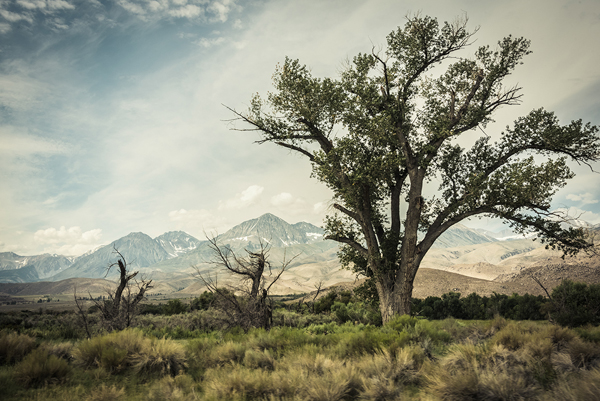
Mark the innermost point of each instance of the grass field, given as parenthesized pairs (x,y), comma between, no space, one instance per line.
(409,358)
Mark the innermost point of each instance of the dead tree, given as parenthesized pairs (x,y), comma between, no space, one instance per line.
(83,315)
(245,304)
(122,306)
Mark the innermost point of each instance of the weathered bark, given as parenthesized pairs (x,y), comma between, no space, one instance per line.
(120,313)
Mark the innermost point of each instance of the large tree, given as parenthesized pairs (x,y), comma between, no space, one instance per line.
(393,122)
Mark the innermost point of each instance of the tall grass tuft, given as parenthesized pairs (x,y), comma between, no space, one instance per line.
(40,368)
(585,386)
(14,347)
(162,356)
(111,352)
(240,383)
(259,360)
(178,388)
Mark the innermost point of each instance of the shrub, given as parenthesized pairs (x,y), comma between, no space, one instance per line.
(40,368)
(575,304)
(175,307)
(357,312)
(14,347)
(203,302)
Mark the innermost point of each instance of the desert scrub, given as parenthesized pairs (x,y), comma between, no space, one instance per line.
(40,368)
(14,347)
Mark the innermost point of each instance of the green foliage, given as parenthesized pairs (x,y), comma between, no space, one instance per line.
(325,303)
(203,302)
(575,304)
(356,312)
(175,307)
(474,306)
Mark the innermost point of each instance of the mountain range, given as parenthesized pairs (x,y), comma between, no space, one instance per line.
(172,259)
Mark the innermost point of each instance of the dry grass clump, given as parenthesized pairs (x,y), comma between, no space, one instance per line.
(384,374)
(119,351)
(110,352)
(14,347)
(226,353)
(107,393)
(240,383)
(585,386)
(483,372)
(259,359)
(62,350)
(179,388)
(576,355)
(40,368)
(165,357)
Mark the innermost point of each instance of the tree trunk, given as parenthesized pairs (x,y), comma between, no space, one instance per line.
(395,293)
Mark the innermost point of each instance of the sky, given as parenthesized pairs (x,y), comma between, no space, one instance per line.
(112,116)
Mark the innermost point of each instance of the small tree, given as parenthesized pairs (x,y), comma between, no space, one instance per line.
(123,304)
(574,304)
(388,126)
(245,305)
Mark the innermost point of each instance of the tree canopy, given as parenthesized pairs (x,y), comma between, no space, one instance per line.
(390,123)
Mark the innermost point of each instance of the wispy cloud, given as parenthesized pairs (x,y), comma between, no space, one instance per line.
(584,198)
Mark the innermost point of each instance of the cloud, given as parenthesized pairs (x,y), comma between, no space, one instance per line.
(221,9)
(585,199)
(73,235)
(189,11)
(248,197)
(68,241)
(15,17)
